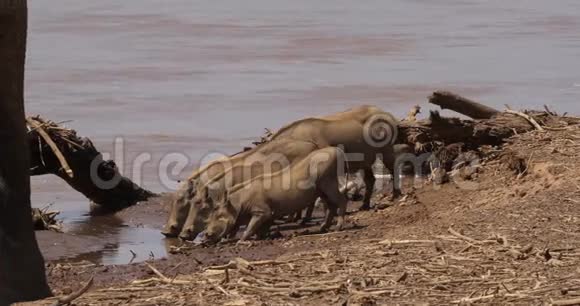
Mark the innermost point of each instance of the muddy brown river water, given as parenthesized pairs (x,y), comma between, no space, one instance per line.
(188,78)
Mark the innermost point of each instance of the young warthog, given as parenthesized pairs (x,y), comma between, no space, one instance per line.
(270,196)
(271,157)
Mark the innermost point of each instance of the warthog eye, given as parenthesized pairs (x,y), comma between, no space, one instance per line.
(197,202)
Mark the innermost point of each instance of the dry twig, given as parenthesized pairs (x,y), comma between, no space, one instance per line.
(75,295)
(527,117)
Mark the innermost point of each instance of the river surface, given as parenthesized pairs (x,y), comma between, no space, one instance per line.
(189,78)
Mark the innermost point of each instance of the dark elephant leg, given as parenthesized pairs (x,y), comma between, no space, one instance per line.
(22,272)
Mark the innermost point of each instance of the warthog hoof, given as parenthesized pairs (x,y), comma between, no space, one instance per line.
(186,236)
(244,243)
(365,207)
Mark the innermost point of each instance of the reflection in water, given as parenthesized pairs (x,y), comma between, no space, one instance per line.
(121,243)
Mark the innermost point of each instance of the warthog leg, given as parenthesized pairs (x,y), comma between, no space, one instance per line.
(330,214)
(369,178)
(264,231)
(258,219)
(308,214)
(341,213)
(296,217)
(234,231)
(337,201)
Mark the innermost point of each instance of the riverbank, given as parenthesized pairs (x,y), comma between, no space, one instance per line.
(514,238)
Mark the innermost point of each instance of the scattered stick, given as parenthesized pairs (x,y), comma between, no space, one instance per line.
(527,117)
(220,288)
(566,302)
(405,242)
(162,278)
(371,292)
(460,236)
(549,111)
(240,263)
(321,235)
(75,295)
(528,163)
(564,232)
(476,299)
(402,277)
(290,290)
(227,277)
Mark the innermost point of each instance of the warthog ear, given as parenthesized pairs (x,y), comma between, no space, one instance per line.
(206,191)
(190,191)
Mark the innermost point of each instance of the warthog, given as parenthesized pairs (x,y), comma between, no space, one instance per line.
(363,138)
(271,157)
(351,188)
(359,113)
(259,201)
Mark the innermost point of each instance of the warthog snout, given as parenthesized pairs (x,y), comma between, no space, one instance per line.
(187,234)
(170,231)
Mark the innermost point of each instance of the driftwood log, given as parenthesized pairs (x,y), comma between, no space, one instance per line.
(467,107)
(59,151)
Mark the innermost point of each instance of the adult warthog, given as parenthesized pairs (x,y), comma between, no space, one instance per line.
(364,138)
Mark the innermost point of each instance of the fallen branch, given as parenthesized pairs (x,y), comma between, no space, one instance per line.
(60,151)
(464,106)
(65,166)
(43,220)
